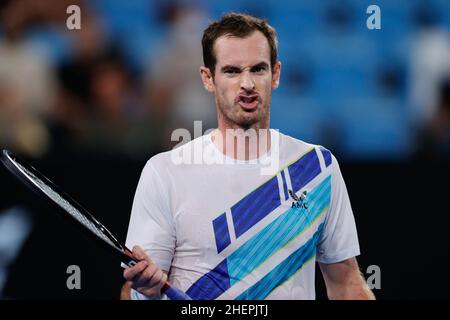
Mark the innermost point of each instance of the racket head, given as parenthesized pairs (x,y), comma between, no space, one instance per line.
(70,209)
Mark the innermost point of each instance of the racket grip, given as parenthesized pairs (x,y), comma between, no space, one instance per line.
(174,293)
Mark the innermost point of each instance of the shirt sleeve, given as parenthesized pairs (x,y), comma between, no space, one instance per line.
(151,223)
(339,239)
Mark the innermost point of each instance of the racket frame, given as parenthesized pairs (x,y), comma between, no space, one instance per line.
(15,166)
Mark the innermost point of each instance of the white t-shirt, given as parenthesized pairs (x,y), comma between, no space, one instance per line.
(228,231)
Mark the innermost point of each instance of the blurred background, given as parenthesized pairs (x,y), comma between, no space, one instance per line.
(89,107)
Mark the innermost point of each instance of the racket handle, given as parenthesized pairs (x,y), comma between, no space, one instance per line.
(174,293)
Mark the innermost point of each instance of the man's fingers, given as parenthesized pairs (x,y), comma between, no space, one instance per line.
(130,273)
(153,288)
(140,254)
(145,277)
(157,279)
(150,277)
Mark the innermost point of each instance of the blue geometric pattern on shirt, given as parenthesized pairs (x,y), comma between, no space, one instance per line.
(255,206)
(263,245)
(326,156)
(221,232)
(285,188)
(282,272)
(263,200)
(304,170)
(211,284)
(278,233)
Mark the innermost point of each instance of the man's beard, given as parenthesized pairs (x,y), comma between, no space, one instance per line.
(240,118)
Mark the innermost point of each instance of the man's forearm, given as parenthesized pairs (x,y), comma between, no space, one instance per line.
(344,281)
(355,290)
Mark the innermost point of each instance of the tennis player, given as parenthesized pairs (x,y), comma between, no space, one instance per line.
(228,229)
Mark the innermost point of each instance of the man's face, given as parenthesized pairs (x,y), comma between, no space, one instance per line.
(243,80)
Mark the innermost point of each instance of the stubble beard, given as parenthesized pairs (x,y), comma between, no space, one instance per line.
(236,118)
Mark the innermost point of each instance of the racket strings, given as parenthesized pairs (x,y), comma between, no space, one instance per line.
(64,204)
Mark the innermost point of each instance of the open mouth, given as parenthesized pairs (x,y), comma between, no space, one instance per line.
(248,102)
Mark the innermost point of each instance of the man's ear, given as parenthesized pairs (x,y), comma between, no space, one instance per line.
(276,75)
(207,79)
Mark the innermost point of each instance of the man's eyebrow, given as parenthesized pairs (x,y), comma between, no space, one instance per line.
(229,67)
(234,67)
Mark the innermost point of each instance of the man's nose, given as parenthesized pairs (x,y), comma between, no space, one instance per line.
(247,81)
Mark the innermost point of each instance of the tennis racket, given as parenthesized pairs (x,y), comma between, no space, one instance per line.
(76,214)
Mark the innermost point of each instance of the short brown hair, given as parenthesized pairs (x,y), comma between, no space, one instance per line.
(237,25)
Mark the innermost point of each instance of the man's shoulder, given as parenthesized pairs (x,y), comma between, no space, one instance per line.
(294,149)
(176,156)
(291,143)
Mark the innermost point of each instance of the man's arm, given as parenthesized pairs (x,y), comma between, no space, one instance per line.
(344,281)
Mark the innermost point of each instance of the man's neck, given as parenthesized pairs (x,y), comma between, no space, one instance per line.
(242,144)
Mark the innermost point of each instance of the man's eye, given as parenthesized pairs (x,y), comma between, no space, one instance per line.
(258,69)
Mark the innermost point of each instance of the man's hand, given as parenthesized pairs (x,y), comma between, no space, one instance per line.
(145,277)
